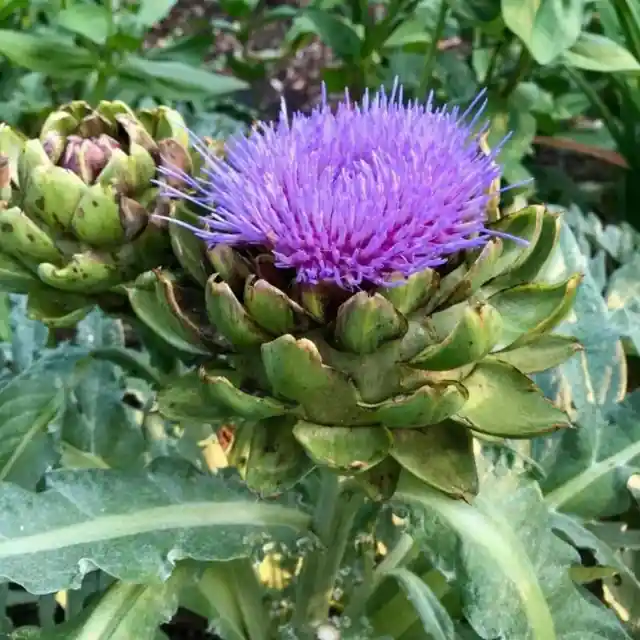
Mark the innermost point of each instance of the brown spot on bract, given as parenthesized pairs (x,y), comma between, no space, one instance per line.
(94,203)
(6,227)
(31,237)
(39,202)
(79,212)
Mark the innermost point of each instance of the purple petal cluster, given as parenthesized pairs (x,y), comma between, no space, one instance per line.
(354,196)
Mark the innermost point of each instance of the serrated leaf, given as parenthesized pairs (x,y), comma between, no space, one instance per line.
(623,299)
(515,572)
(133,525)
(604,553)
(586,470)
(30,398)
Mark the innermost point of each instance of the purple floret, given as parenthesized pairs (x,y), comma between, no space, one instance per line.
(355,196)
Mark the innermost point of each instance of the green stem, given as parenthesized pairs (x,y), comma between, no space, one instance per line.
(430,56)
(403,550)
(522,68)
(493,63)
(398,614)
(250,596)
(130,361)
(99,89)
(598,103)
(333,519)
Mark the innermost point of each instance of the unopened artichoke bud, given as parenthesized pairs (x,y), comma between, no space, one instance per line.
(371,296)
(87,157)
(81,197)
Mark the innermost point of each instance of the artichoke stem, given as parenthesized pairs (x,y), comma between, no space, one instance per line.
(335,512)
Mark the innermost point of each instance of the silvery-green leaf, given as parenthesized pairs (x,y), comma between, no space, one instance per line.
(586,537)
(95,419)
(512,570)
(596,375)
(435,620)
(586,469)
(133,525)
(28,337)
(31,397)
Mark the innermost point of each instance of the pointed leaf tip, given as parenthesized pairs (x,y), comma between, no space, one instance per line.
(503,402)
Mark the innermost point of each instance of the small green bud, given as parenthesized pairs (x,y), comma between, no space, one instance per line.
(476,331)
(229,316)
(365,322)
(229,265)
(531,310)
(270,307)
(413,293)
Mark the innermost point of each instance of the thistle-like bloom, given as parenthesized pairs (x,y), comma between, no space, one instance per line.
(356,196)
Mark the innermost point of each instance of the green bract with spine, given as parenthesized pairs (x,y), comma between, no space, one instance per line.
(75,218)
(371,382)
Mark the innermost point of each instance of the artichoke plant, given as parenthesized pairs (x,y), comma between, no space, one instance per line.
(373,308)
(78,202)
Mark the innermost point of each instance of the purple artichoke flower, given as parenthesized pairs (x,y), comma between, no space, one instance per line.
(356,196)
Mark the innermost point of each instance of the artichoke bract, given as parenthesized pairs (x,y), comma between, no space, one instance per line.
(378,311)
(78,202)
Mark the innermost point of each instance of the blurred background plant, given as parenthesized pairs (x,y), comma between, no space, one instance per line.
(561,76)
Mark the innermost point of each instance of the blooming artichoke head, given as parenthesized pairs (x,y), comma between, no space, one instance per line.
(79,212)
(378,309)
